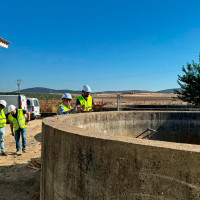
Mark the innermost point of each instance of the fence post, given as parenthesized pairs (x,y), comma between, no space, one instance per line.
(118,102)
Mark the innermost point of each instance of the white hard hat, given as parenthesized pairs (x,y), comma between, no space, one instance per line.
(67,96)
(11,108)
(3,102)
(87,88)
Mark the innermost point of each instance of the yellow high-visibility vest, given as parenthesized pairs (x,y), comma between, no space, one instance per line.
(65,107)
(87,104)
(19,122)
(2,119)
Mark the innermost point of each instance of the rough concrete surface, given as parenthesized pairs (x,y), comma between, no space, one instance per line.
(96,156)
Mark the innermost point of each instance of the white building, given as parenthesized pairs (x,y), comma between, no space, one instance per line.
(4,43)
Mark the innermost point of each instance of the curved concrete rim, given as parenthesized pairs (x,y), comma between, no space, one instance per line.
(57,123)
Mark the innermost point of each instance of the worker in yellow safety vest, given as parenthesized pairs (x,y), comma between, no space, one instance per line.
(2,125)
(85,100)
(19,123)
(65,106)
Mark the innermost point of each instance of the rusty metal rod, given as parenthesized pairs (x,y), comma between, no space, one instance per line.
(151,133)
(148,129)
(142,133)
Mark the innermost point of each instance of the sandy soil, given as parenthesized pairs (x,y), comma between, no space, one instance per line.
(17,181)
(139,99)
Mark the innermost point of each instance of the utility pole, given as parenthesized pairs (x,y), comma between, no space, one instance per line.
(18,84)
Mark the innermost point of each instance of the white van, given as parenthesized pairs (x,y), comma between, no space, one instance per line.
(33,107)
(19,101)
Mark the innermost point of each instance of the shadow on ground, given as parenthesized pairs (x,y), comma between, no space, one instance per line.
(19,182)
(38,137)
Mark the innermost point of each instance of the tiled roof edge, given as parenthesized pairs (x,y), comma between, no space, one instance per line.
(2,40)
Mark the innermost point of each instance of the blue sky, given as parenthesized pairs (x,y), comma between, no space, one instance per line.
(109,45)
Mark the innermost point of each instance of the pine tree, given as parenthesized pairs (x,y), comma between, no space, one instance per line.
(190,84)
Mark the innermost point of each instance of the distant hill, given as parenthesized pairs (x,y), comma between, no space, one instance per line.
(48,91)
(168,90)
(43,90)
(124,92)
(53,91)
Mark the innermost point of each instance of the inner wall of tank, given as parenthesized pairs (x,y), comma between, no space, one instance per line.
(172,127)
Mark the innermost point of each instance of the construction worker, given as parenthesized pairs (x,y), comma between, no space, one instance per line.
(2,125)
(65,106)
(85,99)
(19,123)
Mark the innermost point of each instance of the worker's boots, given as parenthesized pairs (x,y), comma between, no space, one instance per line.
(4,154)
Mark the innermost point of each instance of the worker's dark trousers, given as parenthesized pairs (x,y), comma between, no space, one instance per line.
(17,139)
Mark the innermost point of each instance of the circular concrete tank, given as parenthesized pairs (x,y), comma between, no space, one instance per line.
(96,156)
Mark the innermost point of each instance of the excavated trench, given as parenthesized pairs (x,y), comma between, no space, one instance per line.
(103,156)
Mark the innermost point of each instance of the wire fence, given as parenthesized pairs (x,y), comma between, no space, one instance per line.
(142,101)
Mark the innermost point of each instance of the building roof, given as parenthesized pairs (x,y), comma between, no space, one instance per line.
(4,43)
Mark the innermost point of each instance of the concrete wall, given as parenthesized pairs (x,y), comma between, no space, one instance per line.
(95,156)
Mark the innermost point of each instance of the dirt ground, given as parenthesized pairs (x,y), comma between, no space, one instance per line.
(139,99)
(17,181)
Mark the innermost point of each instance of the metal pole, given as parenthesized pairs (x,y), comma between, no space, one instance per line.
(118,102)
(18,84)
